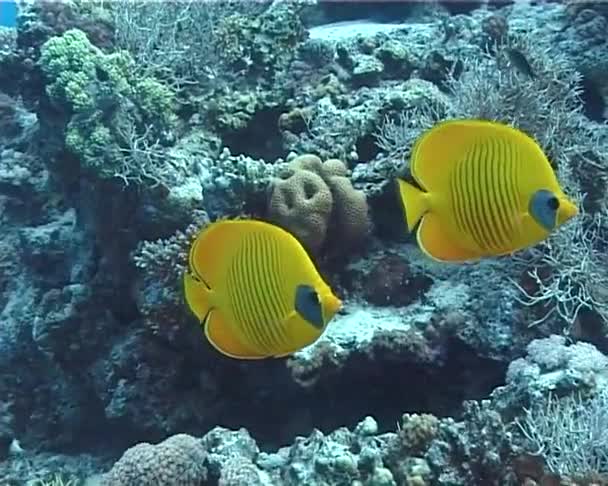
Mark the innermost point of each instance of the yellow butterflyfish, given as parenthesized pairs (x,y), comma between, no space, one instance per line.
(485,189)
(255,290)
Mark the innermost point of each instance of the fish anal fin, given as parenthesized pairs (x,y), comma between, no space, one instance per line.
(434,241)
(222,338)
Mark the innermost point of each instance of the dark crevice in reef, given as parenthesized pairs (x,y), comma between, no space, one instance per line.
(594,104)
(366,10)
(367,149)
(260,138)
(464,7)
(388,12)
(384,387)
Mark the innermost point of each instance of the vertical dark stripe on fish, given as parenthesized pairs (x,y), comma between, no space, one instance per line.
(473,185)
(467,198)
(491,170)
(253,273)
(490,195)
(500,185)
(482,196)
(264,291)
(276,290)
(193,267)
(257,276)
(514,180)
(249,304)
(456,199)
(237,301)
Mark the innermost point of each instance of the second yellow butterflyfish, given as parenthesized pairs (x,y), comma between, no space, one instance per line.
(485,189)
(255,290)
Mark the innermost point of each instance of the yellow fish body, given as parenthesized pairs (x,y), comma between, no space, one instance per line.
(255,290)
(486,189)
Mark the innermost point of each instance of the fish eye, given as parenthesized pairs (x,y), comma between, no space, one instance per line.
(553,203)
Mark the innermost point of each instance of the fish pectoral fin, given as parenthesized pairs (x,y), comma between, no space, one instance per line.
(197,295)
(221,338)
(436,244)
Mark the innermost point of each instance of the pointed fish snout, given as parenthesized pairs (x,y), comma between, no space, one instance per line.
(333,304)
(569,209)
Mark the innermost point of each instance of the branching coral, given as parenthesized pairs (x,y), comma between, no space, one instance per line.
(546,105)
(56,480)
(578,279)
(8,39)
(417,431)
(571,433)
(196,43)
(162,263)
(174,40)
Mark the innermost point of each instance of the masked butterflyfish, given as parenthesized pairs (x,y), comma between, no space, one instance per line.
(485,189)
(255,290)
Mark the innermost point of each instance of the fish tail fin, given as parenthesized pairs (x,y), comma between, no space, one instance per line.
(198,296)
(415,203)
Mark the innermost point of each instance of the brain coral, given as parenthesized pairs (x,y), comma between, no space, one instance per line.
(177,461)
(315,199)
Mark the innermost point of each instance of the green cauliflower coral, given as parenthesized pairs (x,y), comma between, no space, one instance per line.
(76,68)
(119,119)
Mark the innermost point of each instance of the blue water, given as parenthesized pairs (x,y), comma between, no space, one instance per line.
(8,13)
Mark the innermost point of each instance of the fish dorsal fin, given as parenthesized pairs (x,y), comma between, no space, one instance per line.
(223,339)
(442,146)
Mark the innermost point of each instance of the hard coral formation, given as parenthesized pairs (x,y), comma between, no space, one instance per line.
(261,44)
(177,461)
(315,201)
(417,431)
(552,366)
(118,121)
(239,471)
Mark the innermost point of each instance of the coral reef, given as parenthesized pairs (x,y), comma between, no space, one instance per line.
(125,127)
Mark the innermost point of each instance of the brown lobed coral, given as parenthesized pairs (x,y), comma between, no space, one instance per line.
(316,199)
